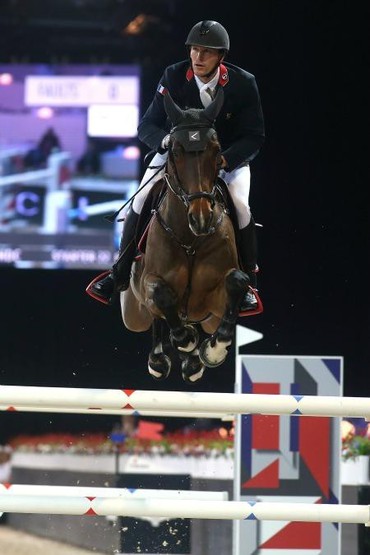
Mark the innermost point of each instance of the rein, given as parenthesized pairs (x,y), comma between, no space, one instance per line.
(112,217)
(189,249)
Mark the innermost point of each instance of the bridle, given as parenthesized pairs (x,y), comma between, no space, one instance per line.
(193,138)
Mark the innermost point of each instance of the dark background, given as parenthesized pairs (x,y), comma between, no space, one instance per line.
(309,190)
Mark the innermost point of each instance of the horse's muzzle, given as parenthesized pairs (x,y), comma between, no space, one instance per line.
(201,218)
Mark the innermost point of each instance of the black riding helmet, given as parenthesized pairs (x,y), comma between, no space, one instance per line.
(209,34)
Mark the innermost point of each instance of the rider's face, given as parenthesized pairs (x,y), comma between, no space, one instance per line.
(205,62)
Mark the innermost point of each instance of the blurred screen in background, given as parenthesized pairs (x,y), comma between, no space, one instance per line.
(69,156)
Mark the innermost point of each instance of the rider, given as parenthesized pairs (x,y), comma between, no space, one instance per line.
(240,129)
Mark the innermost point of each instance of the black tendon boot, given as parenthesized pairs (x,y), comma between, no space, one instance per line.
(248,256)
(118,279)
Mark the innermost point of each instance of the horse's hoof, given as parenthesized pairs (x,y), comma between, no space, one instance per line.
(159,366)
(192,369)
(213,353)
(189,340)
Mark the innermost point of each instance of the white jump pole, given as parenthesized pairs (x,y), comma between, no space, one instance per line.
(119,412)
(92,492)
(243,403)
(174,508)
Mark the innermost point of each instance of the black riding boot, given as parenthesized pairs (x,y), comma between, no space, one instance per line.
(248,256)
(119,277)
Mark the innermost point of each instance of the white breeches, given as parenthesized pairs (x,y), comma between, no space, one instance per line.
(157,160)
(238,182)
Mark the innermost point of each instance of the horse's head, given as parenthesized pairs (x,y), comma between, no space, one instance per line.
(194,159)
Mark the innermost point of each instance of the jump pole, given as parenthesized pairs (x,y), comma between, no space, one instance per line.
(57,492)
(119,412)
(105,400)
(174,508)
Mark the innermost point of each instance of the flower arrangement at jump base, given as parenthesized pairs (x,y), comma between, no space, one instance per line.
(205,443)
(218,442)
(355,439)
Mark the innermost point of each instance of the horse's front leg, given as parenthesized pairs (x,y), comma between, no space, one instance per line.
(159,363)
(214,350)
(163,300)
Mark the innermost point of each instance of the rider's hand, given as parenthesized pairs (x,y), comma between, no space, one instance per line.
(165,142)
(223,163)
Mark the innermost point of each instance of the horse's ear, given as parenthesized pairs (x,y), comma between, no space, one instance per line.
(173,111)
(213,109)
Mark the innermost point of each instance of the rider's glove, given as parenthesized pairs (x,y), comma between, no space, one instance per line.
(165,142)
(223,163)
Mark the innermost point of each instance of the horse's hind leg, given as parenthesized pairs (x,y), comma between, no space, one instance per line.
(159,364)
(183,337)
(213,350)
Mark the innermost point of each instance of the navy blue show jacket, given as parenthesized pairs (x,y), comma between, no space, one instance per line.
(239,125)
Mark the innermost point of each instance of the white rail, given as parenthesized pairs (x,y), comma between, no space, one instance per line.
(103,401)
(125,493)
(121,412)
(175,508)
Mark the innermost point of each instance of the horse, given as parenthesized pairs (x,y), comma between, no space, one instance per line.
(189,280)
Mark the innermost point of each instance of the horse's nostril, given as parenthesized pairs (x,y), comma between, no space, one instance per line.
(200,223)
(192,220)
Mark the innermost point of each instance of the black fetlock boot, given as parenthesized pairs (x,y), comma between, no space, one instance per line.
(248,256)
(106,285)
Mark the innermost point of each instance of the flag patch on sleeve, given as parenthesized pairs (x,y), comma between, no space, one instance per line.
(161,89)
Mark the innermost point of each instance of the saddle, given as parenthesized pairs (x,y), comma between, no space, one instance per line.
(154,198)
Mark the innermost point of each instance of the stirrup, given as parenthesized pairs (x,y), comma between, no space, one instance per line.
(95,296)
(253,311)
